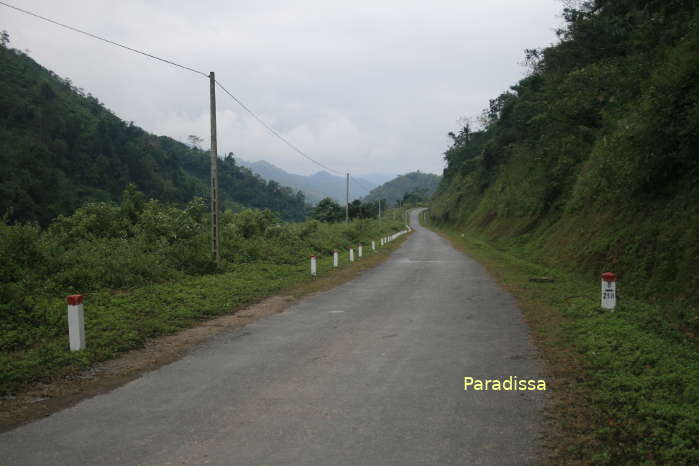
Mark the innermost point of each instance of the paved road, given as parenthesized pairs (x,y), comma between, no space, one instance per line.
(369,373)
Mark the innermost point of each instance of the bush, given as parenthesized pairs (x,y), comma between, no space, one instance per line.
(109,247)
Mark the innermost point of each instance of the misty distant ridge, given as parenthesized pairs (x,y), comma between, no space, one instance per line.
(318,185)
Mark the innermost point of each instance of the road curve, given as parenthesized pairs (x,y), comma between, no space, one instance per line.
(368,373)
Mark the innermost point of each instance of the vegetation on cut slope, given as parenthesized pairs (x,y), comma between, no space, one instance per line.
(416,186)
(624,384)
(590,162)
(62,148)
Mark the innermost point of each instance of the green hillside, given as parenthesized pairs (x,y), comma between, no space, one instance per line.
(421,184)
(62,148)
(590,162)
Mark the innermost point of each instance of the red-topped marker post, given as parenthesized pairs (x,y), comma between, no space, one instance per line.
(76,322)
(608,291)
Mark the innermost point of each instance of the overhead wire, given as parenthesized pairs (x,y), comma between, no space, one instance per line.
(170,62)
(94,36)
(361,185)
(275,132)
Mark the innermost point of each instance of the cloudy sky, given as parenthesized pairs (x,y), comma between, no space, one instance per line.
(362,86)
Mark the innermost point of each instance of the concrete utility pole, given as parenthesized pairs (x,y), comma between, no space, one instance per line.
(215,238)
(379,210)
(347,206)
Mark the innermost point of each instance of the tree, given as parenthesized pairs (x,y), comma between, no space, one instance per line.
(4,39)
(328,210)
(416,197)
(195,140)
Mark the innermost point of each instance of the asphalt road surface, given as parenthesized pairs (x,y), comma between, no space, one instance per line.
(368,373)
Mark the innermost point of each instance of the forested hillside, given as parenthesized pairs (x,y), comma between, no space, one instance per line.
(62,148)
(590,162)
(420,185)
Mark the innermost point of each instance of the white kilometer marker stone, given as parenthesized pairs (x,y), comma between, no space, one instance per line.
(76,322)
(314,266)
(608,291)
(359,251)
(336,258)
(351,254)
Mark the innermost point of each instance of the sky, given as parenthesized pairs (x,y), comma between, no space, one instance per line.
(361,86)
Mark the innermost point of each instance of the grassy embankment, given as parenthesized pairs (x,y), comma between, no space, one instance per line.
(626,383)
(145,271)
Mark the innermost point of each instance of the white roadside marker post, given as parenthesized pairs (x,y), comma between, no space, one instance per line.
(608,291)
(351,254)
(314,266)
(360,250)
(373,245)
(336,258)
(76,322)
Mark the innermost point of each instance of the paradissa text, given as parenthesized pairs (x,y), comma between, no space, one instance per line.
(509,384)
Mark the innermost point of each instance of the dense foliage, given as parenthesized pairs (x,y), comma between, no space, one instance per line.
(590,164)
(327,210)
(624,383)
(62,148)
(420,185)
(591,160)
(107,249)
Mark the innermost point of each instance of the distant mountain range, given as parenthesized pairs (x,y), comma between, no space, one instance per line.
(319,185)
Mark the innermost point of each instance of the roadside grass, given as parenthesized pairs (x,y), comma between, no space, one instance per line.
(626,383)
(118,321)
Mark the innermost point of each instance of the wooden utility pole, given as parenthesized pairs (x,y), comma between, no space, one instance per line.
(215,238)
(347,205)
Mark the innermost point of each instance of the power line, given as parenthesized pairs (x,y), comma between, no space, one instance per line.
(239,157)
(170,62)
(360,184)
(94,36)
(282,138)
(275,133)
